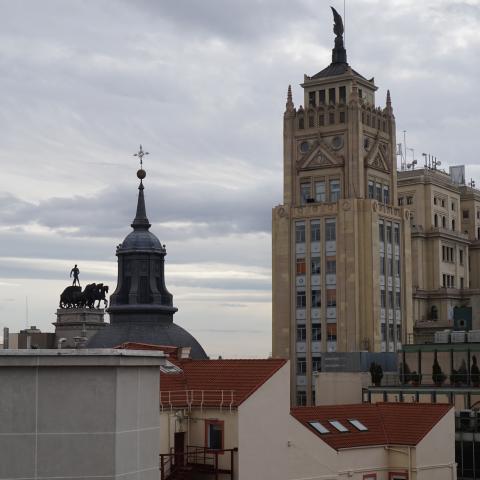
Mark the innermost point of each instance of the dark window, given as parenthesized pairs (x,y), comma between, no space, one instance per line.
(331,298)
(342,93)
(316,364)
(301,398)
(397,300)
(444,222)
(465,214)
(315,265)
(390,299)
(214,434)
(453,224)
(461,256)
(342,117)
(330,231)
(360,93)
(321,120)
(409,200)
(371,188)
(315,232)
(389,233)
(311,121)
(316,332)
(301,299)
(301,366)
(331,267)
(435,220)
(300,233)
(381,232)
(301,333)
(301,266)
(331,96)
(400,201)
(316,299)
(321,97)
(396,234)
(378,190)
(382,265)
(301,123)
(311,98)
(386,194)
(331,118)
(383,298)
(332,332)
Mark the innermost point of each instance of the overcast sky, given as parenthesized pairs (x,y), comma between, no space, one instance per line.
(202,85)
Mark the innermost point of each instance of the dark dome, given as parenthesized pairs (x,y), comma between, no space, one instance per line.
(141,239)
(167,334)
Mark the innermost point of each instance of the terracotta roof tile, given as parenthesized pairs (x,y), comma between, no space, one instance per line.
(214,382)
(387,423)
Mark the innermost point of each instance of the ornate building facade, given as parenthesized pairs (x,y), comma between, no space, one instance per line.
(341,282)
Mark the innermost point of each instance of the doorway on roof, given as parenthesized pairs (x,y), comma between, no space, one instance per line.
(179,448)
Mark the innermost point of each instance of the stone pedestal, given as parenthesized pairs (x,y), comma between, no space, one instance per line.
(75,324)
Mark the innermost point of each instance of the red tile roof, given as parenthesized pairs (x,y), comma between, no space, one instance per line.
(215,382)
(387,423)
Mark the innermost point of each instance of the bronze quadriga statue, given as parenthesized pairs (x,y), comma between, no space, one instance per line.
(74,297)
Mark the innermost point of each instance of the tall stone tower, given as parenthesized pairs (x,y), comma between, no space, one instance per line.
(341,282)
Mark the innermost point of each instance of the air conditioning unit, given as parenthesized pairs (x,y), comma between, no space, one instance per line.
(474,336)
(442,337)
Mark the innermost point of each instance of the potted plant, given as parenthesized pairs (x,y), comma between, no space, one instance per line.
(438,376)
(405,375)
(376,373)
(416,378)
(475,372)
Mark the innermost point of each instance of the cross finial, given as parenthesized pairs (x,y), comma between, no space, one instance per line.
(140,154)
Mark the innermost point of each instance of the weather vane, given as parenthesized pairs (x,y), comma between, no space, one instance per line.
(140,154)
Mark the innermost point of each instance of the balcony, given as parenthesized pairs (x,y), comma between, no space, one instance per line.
(197,462)
(220,399)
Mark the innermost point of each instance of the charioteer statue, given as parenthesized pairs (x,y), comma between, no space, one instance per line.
(74,297)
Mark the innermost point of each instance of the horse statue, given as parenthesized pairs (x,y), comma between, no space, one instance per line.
(73,297)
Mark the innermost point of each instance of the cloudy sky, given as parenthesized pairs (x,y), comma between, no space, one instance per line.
(202,85)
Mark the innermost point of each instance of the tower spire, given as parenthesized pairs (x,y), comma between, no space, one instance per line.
(289,105)
(339,54)
(140,222)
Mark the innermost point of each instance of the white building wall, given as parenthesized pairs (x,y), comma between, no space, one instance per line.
(263,430)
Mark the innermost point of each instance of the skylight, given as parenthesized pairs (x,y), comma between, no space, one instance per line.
(358,425)
(338,425)
(319,427)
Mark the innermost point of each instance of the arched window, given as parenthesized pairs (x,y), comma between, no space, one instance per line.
(301,123)
(444,222)
(435,220)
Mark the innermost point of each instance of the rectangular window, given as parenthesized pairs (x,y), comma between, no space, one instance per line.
(397,300)
(461,282)
(444,281)
(339,426)
(301,398)
(390,332)
(316,332)
(334,190)
(389,233)
(341,117)
(331,118)
(311,99)
(378,190)
(398,333)
(301,333)
(453,206)
(316,299)
(396,233)
(316,364)
(321,97)
(390,299)
(332,332)
(214,434)
(301,266)
(331,298)
(315,231)
(409,200)
(444,256)
(382,265)
(386,194)
(371,189)
(305,192)
(301,365)
(300,232)
(400,201)
(330,231)
(383,332)
(390,266)
(331,267)
(342,93)
(460,253)
(320,191)
(434,200)
(381,232)
(321,120)
(383,299)
(315,265)
(465,214)
(331,96)
(301,298)
(399,268)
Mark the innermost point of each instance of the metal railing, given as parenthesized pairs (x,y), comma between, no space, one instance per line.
(454,379)
(197,398)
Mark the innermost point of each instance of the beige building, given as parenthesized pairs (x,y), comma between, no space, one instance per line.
(445,226)
(341,279)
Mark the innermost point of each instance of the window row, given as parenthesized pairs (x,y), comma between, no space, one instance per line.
(394,332)
(316,298)
(379,191)
(385,232)
(405,200)
(324,97)
(316,333)
(391,296)
(370,121)
(319,194)
(390,267)
(315,266)
(315,231)
(326,118)
(448,254)
(444,222)
(448,281)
